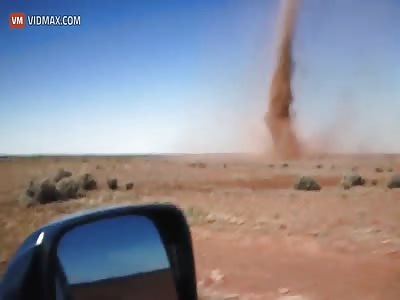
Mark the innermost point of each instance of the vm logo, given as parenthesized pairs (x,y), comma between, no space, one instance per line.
(17,20)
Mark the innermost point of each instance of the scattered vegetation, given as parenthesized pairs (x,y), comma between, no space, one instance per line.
(307,183)
(394,182)
(61,187)
(69,188)
(349,181)
(44,191)
(129,186)
(112,183)
(198,164)
(87,182)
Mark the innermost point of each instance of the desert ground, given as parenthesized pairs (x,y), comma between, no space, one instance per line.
(254,235)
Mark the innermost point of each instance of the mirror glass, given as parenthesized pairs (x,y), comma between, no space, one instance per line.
(115,258)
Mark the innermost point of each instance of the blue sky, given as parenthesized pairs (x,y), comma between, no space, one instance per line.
(192,76)
(129,245)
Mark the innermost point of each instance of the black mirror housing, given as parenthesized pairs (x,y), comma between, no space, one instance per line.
(30,274)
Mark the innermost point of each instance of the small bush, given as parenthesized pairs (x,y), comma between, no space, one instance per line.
(68,188)
(129,186)
(112,183)
(394,182)
(87,182)
(306,183)
(59,187)
(46,192)
(350,181)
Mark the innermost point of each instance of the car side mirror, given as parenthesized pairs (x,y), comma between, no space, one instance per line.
(130,252)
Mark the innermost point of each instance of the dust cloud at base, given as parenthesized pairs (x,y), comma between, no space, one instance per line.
(351,127)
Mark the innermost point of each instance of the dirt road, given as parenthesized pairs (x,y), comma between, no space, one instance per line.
(261,267)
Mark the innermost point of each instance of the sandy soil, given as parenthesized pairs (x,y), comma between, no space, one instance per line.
(264,239)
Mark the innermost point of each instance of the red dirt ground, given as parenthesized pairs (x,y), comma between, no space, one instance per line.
(261,266)
(247,220)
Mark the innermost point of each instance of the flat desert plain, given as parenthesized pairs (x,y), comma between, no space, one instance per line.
(254,235)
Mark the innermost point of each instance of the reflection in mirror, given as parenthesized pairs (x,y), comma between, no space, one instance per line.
(116,258)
